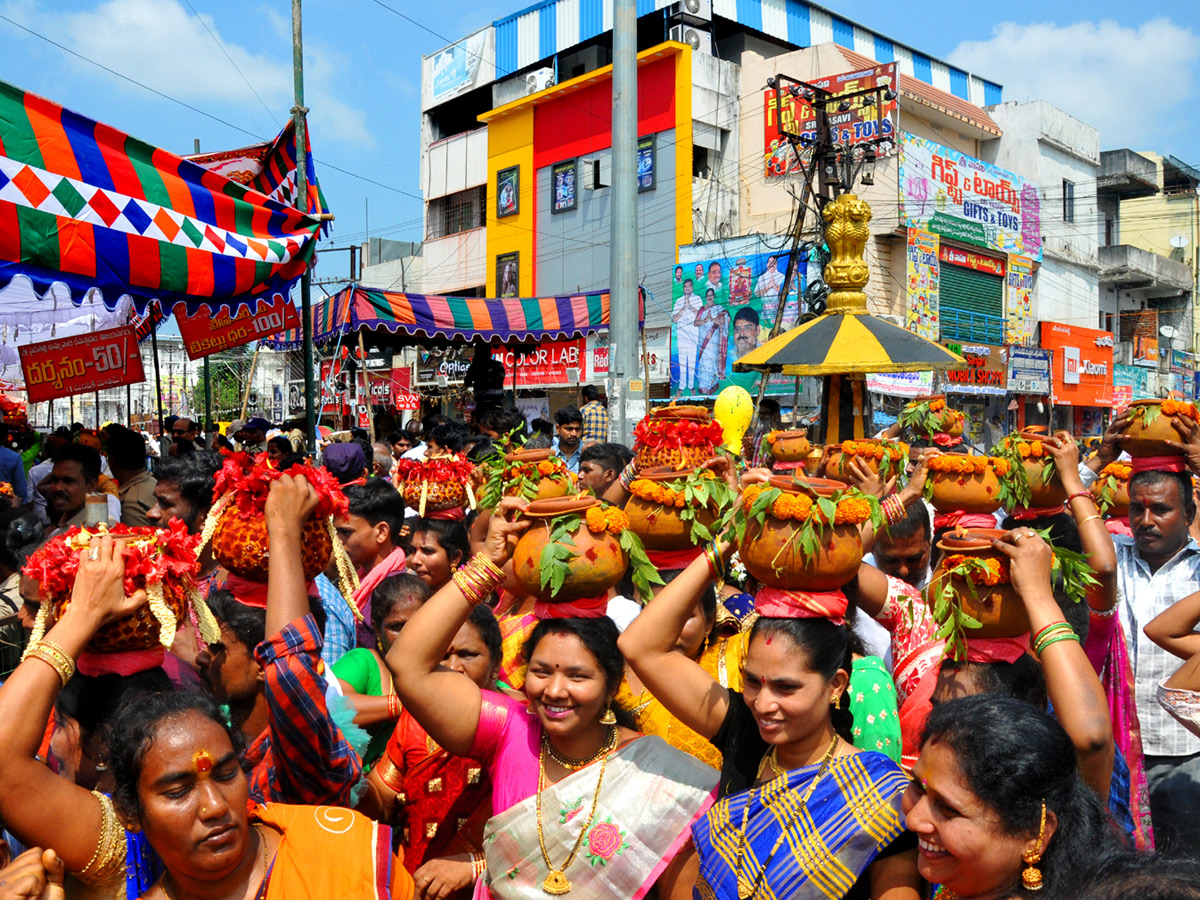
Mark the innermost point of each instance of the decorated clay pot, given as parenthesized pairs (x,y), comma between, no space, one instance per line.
(439,495)
(974,492)
(772,555)
(870,452)
(1151,439)
(240,544)
(441,482)
(657,522)
(673,411)
(945,420)
(597,561)
(1042,495)
(1111,490)
(548,487)
(996,607)
(789,446)
(682,437)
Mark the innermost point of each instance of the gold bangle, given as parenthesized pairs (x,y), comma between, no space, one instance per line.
(488,565)
(478,864)
(54,656)
(108,860)
(1089,518)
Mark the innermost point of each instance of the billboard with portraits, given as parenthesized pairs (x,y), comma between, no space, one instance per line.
(721,309)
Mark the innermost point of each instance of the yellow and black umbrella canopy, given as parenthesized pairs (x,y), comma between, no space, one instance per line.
(845,343)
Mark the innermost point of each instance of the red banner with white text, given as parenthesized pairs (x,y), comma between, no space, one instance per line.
(81,364)
(204,335)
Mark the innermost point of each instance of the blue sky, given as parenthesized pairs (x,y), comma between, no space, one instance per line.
(1129,72)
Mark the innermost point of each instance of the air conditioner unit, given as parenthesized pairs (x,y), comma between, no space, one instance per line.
(572,375)
(539,79)
(699,39)
(694,11)
(597,173)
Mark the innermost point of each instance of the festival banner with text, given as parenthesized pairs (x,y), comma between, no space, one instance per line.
(922,289)
(81,364)
(204,335)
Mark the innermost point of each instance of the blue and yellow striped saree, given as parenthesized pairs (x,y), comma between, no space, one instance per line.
(852,815)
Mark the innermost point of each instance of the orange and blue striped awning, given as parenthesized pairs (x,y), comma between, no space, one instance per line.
(431,315)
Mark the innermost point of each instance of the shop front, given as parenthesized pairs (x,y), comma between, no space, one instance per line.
(1081,376)
(1028,387)
(979,390)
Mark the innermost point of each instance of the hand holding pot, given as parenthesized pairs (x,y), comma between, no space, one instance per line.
(723,467)
(290,502)
(915,488)
(99,591)
(755,476)
(1111,440)
(867,481)
(1189,445)
(503,532)
(1064,450)
(1030,560)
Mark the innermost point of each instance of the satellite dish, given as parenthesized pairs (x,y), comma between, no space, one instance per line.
(1179,241)
(1168,331)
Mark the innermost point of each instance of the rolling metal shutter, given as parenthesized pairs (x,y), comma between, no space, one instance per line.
(963,290)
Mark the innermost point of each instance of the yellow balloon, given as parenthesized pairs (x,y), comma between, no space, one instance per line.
(734,409)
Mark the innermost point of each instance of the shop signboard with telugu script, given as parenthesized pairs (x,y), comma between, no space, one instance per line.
(986,372)
(965,199)
(1028,370)
(81,364)
(205,334)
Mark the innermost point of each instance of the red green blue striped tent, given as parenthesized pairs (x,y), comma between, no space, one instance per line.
(86,205)
(429,315)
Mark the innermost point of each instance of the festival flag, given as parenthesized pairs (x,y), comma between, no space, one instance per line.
(88,206)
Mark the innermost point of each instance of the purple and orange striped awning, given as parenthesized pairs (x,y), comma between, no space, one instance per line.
(430,315)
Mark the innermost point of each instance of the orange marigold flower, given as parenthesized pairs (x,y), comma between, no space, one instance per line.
(878,454)
(937,404)
(615,520)
(595,519)
(1023,449)
(849,448)
(1035,449)
(981,464)
(1001,466)
(1170,407)
(678,500)
(546,467)
(772,437)
(750,494)
(852,511)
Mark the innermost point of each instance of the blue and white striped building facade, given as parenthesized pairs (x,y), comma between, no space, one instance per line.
(553,26)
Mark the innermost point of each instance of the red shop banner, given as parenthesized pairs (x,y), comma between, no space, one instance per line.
(971,260)
(82,364)
(204,334)
(1081,373)
(543,364)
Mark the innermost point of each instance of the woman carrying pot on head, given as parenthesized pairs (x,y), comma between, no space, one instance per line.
(583,804)
(439,547)
(997,804)
(789,779)
(177,786)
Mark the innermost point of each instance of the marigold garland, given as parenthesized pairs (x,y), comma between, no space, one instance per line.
(1120,471)
(955,463)
(658,492)
(874,451)
(929,416)
(979,571)
(849,510)
(1180,408)
(608,518)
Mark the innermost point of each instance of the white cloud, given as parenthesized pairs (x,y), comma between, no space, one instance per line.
(161,44)
(1123,81)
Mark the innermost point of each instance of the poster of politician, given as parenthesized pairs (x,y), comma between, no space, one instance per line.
(722,309)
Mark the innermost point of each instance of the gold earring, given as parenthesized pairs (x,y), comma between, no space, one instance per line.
(609,717)
(1031,877)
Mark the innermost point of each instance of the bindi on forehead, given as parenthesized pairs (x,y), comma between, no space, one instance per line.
(202,763)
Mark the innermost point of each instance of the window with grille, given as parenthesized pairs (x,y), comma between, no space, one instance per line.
(457,212)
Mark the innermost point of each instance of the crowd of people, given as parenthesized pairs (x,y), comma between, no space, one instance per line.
(430,730)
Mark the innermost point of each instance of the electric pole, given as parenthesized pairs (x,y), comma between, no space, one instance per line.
(298,121)
(623,243)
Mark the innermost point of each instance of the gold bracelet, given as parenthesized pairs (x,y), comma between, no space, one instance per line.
(54,656)
(478,579)
(478,864)
(108,860)
(486,562)
(1089,518)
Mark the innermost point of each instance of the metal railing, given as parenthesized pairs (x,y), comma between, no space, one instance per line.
(971,328)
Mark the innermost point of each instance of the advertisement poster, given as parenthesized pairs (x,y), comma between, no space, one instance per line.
(645,163)
(1140,328)
(922,287)
(204,335)
(81,364)
(562,182)
(1028,370)
(657,348)
(459,68)
(508,275)
(1018,312)
(861,122)
(508,191)
(966,199)
(901,384)
(721,310)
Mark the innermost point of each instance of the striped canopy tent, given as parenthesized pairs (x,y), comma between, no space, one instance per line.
(453,318)
(90,214)
(846,342)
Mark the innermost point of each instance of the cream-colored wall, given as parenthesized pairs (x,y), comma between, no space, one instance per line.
(1151,222)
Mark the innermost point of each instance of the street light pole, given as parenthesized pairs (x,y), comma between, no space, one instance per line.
(298,113)
(623,243)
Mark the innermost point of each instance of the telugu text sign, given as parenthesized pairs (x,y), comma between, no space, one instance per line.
(81,364)
(860,123)
(965,199)
(204,334)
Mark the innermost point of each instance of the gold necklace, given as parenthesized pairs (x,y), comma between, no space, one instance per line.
(165,881)
(746,887)
(573,764)
(556,882)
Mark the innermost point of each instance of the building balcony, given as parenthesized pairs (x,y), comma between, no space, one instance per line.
(970,328)
(1132,268)
(455,164)
(1125,175)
